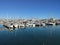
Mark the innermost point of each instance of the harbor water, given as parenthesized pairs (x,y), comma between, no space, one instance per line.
(49,35)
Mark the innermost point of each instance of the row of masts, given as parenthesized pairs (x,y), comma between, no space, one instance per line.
(18,23)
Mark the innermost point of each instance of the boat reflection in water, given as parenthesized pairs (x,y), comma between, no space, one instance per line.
(11,29)
(49,35)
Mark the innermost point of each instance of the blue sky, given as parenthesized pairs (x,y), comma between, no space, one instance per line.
(30,8)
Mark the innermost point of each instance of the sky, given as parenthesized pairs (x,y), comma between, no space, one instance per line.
(29,9)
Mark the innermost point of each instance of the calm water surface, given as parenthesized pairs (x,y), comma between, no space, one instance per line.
(31,36)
